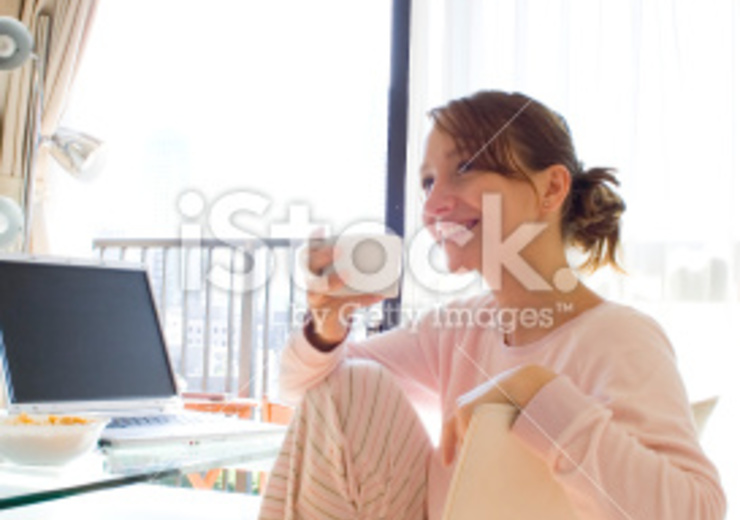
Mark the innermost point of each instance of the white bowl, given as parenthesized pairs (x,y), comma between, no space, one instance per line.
(42,443)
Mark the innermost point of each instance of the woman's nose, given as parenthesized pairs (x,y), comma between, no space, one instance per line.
(439,201)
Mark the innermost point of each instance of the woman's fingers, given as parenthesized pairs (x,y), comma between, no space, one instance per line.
(454,431)
(326,285)
(333,314)
(330,298)
(341,308)
(320,256)
(463,416)
(448,443)
(365,300)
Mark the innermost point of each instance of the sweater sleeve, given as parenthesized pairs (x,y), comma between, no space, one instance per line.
(619,434)
(409,352)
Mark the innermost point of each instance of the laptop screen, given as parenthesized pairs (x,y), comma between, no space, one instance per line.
(80,333)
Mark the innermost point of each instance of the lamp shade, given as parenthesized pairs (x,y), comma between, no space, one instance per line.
(16,43)
(78,153)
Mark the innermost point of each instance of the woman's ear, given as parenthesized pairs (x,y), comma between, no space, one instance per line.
(555,184)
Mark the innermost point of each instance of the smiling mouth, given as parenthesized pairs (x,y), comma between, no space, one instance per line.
(460,232)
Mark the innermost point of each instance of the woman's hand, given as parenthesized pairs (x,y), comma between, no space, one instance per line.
(517,387)
(330,313)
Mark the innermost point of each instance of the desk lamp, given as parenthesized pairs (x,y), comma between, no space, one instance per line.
(77,153)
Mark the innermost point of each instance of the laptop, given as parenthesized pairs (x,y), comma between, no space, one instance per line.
(80,337)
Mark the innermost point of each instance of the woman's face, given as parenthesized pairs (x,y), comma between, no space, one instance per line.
(453,207)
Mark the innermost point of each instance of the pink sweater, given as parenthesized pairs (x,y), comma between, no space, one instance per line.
(618,409)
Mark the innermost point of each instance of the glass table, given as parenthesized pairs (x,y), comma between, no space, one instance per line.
(108,468)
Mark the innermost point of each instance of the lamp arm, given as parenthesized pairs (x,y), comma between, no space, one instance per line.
(32,135)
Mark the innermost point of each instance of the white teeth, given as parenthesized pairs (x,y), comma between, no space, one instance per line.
(447,230)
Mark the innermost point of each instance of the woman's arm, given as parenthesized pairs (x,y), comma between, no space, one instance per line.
(616,431)
(619,437)
(314,352)
(409,352)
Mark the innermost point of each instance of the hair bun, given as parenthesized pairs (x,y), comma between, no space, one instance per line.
(593,218)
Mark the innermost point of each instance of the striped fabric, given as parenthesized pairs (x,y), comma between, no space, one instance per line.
(356,449)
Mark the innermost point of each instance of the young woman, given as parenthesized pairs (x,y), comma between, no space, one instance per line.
(596,384)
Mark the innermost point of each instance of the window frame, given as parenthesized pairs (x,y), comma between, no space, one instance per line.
(398,107)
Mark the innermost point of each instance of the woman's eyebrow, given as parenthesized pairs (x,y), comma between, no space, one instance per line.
(449,155)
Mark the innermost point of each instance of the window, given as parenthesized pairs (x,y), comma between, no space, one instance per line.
(285,99)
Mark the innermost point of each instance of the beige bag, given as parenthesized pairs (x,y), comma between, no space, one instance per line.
(498,478)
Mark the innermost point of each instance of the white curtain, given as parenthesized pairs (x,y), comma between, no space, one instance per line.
(653,89)
(70,25)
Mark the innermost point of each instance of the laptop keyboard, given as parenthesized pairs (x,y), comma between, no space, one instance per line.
(165,419)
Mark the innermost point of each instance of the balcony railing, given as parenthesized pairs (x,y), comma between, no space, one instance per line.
(227,308)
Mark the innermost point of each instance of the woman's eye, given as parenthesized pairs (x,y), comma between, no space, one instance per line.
(426,184)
